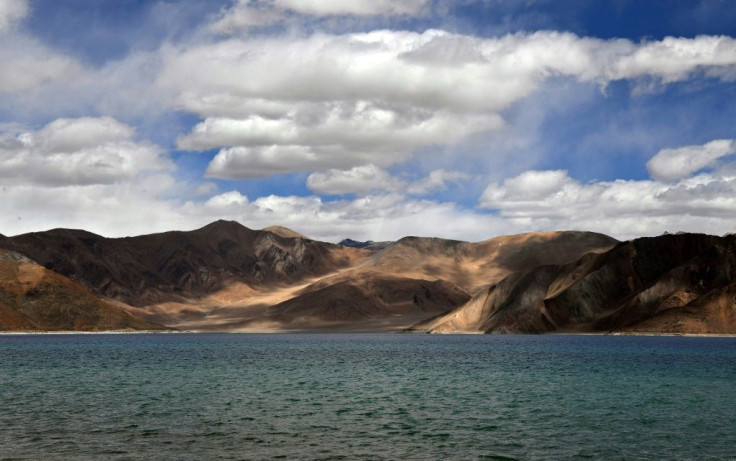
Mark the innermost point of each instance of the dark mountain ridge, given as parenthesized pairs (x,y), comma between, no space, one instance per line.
(33,298)
(178,265)
(618,290)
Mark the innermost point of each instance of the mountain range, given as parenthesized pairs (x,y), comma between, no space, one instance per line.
(227,277)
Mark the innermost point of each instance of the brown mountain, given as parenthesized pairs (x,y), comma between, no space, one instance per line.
(369,303)
(474,266)
(180,266)
(669,284)
(225,276)
(33,298)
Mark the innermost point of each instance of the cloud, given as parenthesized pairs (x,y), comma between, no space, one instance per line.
(673,59)
(25,64)
(244,15)
(228,200)
(77,152)
(360,179)
(671,164)
(207,188)
(527,187)
(335,137)
(12,11)
(248,14)
(281,105)
(377,217)
(353,7)
(436,180)
(623,208)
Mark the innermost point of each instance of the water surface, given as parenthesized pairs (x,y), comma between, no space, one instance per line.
(333,396)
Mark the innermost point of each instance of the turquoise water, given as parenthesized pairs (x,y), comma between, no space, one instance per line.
(233,396)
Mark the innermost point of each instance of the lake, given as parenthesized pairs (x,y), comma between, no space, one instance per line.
(366,396)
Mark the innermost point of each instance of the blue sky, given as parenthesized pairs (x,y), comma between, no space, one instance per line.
(368,119)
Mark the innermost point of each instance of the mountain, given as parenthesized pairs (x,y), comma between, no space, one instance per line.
(284,232)
(353,304)
(473,266)
(33,298)
(668,284)
(179,266)
(367,245)
(227,277)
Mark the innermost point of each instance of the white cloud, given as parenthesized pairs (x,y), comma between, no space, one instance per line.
(527,187)
(326,101)
(248,14)
(228,200)
(671,164)
(370,179)
(673,59)
(25,64)
(207,188)
(622,208)
(12,11)
(360,179)
(334,137)
(353,7)
(436,180)
(245,15)
(68,135)
(77,151)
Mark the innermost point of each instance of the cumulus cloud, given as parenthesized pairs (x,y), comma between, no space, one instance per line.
(228,200)
(623,208)
(671,164)
(340,101)
(25,64)
(335,137)
(77,152)
(360,179)
(436,180)
(12,11)
(377,217)
(147,204)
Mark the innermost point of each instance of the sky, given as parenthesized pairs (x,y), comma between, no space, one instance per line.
(369,119)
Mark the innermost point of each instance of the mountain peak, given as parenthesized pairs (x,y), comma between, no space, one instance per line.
(222,224)
(367,245)
(284,232)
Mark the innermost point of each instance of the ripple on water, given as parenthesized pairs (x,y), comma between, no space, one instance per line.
(366,397)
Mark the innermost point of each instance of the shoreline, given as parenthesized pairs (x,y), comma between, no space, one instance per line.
(349,332)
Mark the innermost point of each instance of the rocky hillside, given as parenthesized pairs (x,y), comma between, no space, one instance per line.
(670,284)
(33,298)
(180,266)
(474,266)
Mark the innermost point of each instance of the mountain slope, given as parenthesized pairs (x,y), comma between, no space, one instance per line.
(624,289)
(33,298)
(352,302)
(180,266)
(474,266)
